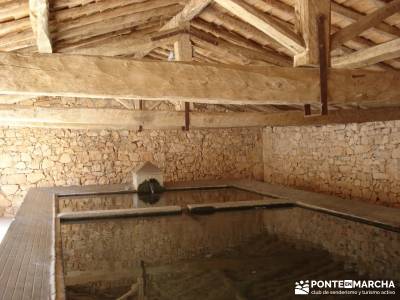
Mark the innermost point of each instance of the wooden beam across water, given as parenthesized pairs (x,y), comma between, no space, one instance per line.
(106,77)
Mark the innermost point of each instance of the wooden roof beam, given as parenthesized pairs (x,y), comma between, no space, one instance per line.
(307,14)
(267,24)
(353,15)
(364,23)
(96,118)
(369,56)
(39,16)
(189,12)
(106,77)
(341,116)
(100,118)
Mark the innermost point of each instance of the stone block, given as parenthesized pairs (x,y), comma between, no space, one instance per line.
(35,177)
(146,171)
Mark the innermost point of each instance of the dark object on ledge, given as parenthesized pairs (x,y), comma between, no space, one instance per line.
(150,191)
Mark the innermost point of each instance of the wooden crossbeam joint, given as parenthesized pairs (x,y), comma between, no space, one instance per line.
(323,65)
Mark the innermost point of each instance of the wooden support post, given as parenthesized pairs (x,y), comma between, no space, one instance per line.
(183,51)
(307,13)
(39,16)
(323,65)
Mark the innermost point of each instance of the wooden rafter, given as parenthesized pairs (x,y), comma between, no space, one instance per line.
(242,28)
(90,27)
(364,23)
(227,52)
(235,45)
(264,23)
(123,45)
(369,56)
(105,77)
(39,16)
(189,12)
(85,118)
(348,13)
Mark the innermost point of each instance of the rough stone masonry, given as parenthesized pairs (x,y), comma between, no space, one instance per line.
(48,157)
(358,161)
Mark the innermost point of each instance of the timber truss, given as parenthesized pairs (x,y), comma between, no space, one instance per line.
(198,63)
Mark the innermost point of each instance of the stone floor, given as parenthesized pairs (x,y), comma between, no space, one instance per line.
(4,224)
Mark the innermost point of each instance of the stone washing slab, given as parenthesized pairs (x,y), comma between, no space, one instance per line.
(237,205)
(27,253)
(121,213)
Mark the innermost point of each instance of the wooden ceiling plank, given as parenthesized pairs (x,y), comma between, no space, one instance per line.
(39,16)
(308,12)
(16,9)
(364,23)
(369,56)
(248,55)
(228,55)
(348,13)
(91,9)
(242,45)
(264,23)
(101,16)
(242,28)
(115,24)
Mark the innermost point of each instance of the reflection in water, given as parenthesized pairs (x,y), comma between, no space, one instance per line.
(131,200)
(222,256)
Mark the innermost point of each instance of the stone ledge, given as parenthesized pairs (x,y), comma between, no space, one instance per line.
(120,213)
(237,205)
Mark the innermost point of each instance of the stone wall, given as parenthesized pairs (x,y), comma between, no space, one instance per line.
(47,157)
(367,249)
(359,161)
